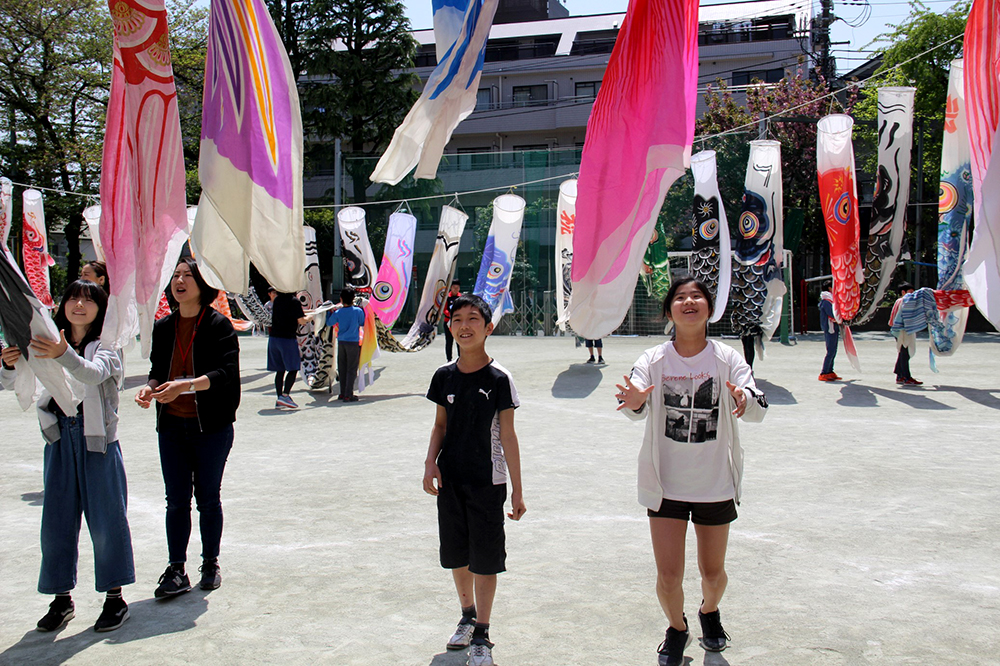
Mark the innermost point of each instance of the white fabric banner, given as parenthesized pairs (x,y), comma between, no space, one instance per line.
(92,216)
(497,266)
(360,268)
(566,219)
(711,256)
(6,211)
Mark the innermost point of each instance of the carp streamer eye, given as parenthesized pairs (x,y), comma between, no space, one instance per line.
(947,197)
(709,229)
(382,291)
(496,270)
(842,210)
(749,224)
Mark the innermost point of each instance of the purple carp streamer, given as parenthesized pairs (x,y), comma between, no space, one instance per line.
(251,154)
(711,256)
(497,266)
(982,97)
(393,280)
(566,214)
(638,143)
(892,194)
(440,272)
(461,28)
(758,287)
(143,196)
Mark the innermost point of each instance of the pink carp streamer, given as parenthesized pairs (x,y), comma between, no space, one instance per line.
(142,175)
(638,143)
(251,154)
(982,100)
(393,280)
(35,247)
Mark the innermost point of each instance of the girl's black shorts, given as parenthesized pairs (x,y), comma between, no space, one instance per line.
(699,513)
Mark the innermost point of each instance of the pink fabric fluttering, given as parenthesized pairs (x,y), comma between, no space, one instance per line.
(142,176)
(982,103)
(638,143)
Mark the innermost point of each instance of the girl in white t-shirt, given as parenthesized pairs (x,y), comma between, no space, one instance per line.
(691,391)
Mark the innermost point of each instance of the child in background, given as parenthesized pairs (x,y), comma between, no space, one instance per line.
(830,323)
(83,471)
(902,368)
(283,347)
(473,446)
(350,318)
(449,339)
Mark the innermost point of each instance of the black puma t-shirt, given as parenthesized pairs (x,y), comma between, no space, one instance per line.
(471,453)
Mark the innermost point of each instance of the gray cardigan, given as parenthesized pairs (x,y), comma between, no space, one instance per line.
(101,372)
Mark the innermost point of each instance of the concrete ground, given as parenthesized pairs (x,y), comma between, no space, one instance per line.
(867,533)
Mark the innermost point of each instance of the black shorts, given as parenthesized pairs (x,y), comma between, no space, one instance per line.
(700,513)
(470,524)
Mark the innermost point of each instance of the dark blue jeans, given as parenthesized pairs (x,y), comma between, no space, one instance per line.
(192,460)
(78,481)
(831,350)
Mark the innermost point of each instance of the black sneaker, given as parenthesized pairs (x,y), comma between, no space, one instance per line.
(211,577)
(61,611)
(671,650)
(113,616)
(713,637)
(172,583)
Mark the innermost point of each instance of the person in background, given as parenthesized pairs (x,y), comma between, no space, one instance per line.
(83,470)
(453,293)
(349,318)
(902,368)
(96,272)
(599,344)
(830,323)
(283,347)
(195,382)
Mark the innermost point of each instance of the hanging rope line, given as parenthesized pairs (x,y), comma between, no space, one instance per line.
(50,189)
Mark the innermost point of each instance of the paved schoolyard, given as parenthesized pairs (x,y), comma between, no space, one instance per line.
(867,535)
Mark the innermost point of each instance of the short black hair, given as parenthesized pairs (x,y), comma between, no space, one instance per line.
(680,282)
(347,295)
(208,294)
(94,292)
(903,286)
(471,300)
(456,281)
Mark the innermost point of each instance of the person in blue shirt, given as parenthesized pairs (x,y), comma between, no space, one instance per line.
(830,323)
(350,318)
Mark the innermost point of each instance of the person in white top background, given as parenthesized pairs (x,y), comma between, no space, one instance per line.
(691,391)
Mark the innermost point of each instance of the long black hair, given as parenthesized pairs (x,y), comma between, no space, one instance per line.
(680,282)
(208,294)
(91,291)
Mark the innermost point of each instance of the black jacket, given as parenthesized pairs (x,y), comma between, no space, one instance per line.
(215,353)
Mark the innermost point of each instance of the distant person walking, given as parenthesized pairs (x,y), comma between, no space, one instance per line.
(283,347)
(830,323)
(349,318)
(902,368)
(449,339)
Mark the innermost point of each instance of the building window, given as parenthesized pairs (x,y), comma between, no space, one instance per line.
(749,76)
(531,95)
(534,155)
(484,99)
(587,89)
(472,159)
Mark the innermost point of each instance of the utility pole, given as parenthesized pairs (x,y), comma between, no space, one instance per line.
(821,40)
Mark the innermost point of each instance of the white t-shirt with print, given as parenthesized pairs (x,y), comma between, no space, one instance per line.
(694,464)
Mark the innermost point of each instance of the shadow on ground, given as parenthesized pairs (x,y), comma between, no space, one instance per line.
(984,397)
(776,395)
(577,381)
(33,499)
(147,618)
(451,658)
(859,395)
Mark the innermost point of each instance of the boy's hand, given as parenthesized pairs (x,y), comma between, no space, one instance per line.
(431,472)
(517,506)
(631,396)
(740,397)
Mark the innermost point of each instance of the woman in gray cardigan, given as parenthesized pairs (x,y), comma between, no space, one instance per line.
(83,469)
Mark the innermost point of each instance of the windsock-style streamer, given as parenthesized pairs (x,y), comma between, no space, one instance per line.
(711,256)
(758,287)
(143,195)
(655,269)
(393,281)
(930,309)
(440,272)
(251,154)
(221,305)
(360,268)
(254,310)
(638,143)
(892,194)
(566,214)
(22,317)
(92,218)
(35,247)
(310,294)
(497,265)
(460,31)
(982,98)
(6,212)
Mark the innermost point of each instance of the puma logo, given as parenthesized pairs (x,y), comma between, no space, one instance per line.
(486,393)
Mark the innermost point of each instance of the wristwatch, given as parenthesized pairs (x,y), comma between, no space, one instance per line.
(191,386)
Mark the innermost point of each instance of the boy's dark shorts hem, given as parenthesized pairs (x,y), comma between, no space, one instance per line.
(470,526)
(699,513)
(283,355)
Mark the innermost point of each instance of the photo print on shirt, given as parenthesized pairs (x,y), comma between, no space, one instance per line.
(692,408)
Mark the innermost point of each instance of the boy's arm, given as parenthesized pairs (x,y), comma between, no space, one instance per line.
(431,469)
(512,453)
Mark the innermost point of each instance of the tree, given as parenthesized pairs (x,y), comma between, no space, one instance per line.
(188,50)
(362,91)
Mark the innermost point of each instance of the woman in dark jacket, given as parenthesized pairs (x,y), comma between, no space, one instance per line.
(195,382)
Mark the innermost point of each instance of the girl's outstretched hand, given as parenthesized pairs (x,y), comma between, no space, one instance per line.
(630,396)
(740,397)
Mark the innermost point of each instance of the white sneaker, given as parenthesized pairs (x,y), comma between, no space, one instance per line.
(463,634)
(481,654)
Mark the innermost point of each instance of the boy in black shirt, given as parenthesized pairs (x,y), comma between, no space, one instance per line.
(473,447)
